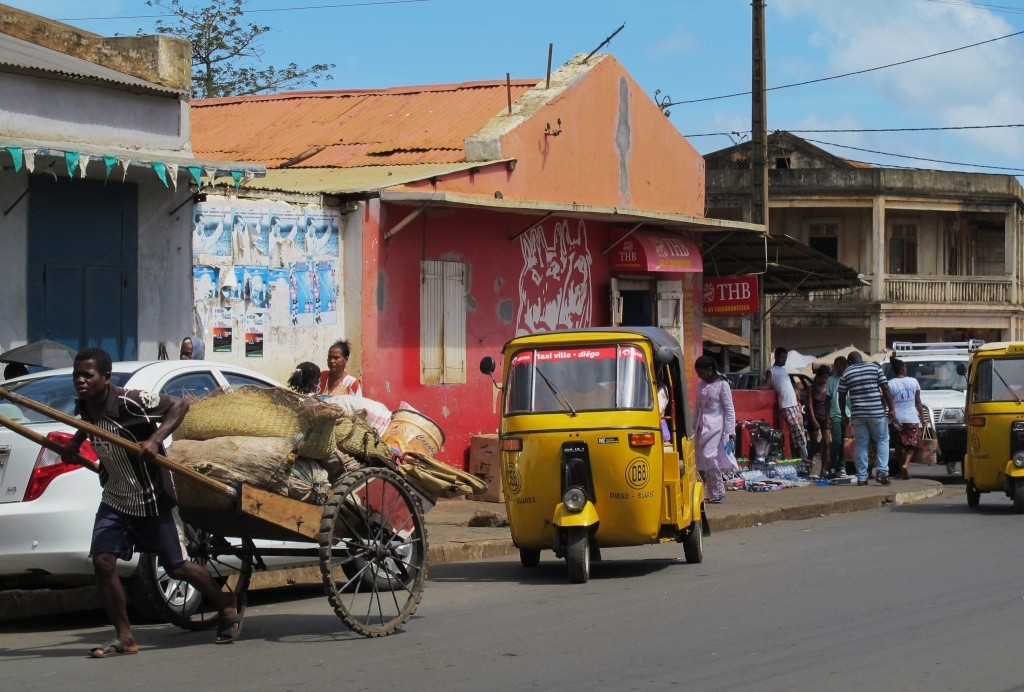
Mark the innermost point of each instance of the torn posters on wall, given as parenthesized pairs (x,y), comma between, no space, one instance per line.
(222,328)
(264,265)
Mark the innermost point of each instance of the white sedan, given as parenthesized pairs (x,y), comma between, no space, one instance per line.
(47,507)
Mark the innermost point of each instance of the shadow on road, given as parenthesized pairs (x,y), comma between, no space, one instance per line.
(550,571)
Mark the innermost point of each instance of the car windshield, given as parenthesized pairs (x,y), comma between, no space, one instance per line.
(1000,379)
(578,379)
(55,391)
(934,374)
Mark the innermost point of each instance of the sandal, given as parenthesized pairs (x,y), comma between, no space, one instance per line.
(114,648)
(904,474)
(229,628)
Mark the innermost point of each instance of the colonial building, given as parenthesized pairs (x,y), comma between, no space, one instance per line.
(939,253)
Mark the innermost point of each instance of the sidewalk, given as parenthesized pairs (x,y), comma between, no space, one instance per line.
(461,530)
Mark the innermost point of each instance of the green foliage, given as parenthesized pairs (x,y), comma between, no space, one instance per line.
(227,50)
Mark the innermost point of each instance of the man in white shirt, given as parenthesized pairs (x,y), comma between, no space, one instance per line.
(789,408)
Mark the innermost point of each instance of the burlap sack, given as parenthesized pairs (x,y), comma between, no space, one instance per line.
(264,462)
(437,479)
(253,411)
(309,482)
(355,436)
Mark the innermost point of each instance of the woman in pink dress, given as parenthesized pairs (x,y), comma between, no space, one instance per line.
(715,429)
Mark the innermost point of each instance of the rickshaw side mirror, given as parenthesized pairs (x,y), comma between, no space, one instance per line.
(487,365)
(663,355)
(961,369)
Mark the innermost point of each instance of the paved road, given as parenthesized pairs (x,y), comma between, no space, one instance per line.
(924,596)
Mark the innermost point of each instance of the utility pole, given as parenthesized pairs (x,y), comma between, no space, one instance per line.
(759,172)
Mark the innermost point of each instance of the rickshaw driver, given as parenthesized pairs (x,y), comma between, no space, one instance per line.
(138,508)
(587,391)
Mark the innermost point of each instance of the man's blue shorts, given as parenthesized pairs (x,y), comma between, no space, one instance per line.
(121,534)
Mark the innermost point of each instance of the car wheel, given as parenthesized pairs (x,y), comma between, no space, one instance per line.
(158,597)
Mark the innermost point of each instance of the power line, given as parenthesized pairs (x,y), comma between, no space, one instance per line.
(974,5)
(865,129)
(268,9)
(913,158)
(847,74)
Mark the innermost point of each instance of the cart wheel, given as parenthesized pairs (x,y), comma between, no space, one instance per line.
(693,543)
(529,558)
(973,494)
(157,596)
(1018,496)
(577,555)
(371,533)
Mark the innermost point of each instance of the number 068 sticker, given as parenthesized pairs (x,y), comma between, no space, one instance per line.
(638,473)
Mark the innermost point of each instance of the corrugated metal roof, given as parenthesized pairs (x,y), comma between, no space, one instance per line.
(17,55)
(339,181)
(402,125)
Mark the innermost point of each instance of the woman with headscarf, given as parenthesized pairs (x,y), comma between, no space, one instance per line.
(715,433)
(192,348)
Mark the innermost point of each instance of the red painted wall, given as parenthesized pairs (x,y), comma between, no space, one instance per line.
(500,272)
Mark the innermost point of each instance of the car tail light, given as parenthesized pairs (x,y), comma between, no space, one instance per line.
(49,465)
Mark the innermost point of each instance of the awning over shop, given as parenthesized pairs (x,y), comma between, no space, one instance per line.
(653,251)
(784,264)
(720,337)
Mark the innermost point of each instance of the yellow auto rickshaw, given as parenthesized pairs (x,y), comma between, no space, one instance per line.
(596,448)
(995,423)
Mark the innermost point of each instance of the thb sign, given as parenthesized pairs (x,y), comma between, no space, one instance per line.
(730,295)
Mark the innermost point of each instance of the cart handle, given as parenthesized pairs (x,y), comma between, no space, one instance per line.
(46,442)
(78,424)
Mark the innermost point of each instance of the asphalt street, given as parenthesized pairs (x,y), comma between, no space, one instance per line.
(922,596)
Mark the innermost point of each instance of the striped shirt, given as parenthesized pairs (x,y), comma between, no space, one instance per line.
(130,485)
(861,382)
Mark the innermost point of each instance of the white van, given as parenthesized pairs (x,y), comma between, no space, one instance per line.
(941,370)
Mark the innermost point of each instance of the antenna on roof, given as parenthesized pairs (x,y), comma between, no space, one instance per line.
(604,43)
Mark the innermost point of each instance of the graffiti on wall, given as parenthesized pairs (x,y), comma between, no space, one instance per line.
(555,285)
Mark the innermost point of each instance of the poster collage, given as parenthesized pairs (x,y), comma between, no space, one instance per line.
(254,268)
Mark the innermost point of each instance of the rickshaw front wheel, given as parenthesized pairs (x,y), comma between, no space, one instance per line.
(577,555)
(1018,496)
(973,494)
(529,557)
(693,544)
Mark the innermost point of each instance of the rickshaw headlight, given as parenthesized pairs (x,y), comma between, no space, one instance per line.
(574,499)
(1018,460)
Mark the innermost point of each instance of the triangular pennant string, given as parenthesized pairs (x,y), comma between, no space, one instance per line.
(108,164)
(211,173)
(18,155)
(161,171)
(172,171)
(237,177)
(124,168)
(30,160)
(197,175)
(83,161)
(71,159)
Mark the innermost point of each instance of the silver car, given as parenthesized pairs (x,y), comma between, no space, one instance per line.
(47,507)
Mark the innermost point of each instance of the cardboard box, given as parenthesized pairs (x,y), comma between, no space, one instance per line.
(485,463)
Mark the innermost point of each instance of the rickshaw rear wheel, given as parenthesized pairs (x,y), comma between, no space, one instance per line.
(693,544)
(1018,496)
(373,523)
(577,555)
(973,494)
(529,557)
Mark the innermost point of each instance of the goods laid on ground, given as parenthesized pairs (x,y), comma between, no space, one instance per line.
(300,446)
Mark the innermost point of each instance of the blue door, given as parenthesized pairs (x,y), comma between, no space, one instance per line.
(83,264)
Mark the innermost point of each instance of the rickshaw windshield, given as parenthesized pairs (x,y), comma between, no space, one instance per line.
(999,379)
(592,378)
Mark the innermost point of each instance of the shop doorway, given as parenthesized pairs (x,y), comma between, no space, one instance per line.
(647,302)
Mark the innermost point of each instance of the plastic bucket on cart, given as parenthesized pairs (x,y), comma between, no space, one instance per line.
(411,431)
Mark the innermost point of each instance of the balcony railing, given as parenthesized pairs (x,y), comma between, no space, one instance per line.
(928,289)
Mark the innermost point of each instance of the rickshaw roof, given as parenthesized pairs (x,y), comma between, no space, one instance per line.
(658,337)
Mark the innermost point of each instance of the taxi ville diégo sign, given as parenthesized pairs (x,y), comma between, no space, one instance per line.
(730,295)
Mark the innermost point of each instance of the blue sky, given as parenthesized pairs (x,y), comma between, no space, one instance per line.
(689,49)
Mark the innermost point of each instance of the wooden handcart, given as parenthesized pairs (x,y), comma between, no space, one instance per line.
(369,539)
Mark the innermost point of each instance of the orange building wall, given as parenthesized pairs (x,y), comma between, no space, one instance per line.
(615,149)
